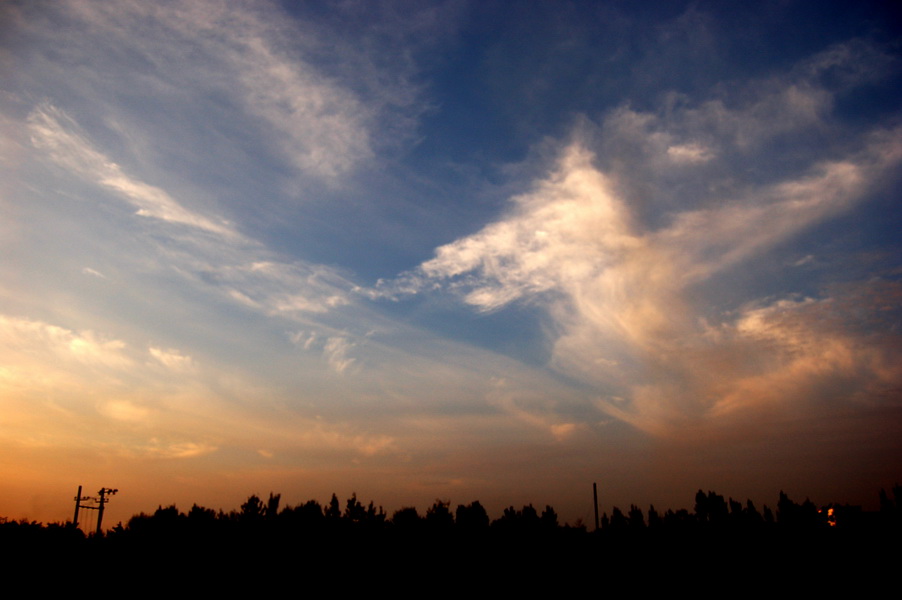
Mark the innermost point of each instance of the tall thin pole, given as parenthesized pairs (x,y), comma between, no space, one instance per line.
(77,506)
(102,493)
(102,502)
(595,495)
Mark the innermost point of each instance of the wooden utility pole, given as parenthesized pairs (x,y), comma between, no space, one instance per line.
(103,500)
(595,496)
(77,506)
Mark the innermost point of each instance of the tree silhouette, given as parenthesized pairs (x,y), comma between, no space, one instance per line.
(333,511)
(439,517)
(472,517)
(252,511)
(549,518)
(636,519)
(354,510)
(406,519)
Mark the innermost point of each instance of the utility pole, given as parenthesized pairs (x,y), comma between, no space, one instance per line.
(595,495)
(101,503)
(103,500)
(77,506)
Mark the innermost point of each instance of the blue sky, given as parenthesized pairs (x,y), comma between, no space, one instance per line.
(454,250)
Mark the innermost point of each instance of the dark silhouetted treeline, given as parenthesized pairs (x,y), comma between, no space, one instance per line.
(264,517)
(353,539)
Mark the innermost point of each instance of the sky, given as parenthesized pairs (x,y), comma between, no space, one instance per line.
(490,251)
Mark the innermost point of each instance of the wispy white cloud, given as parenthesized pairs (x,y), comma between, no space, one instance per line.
(58,135)
(713,239)
(173,359)
(745,132)
(337,352)
(822,349)
(322,124)
(322,128)
(28,336)
(568,230)
(173,450)
(288,289)
(123,410)
(209,252)
(689,153)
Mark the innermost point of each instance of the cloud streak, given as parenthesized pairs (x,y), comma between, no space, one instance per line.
(321,125)
(209,251)
(55,133)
